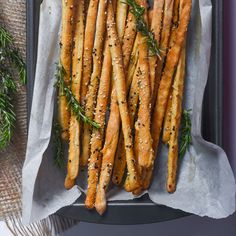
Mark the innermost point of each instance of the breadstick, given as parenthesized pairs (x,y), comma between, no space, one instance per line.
(97,135)
(164,43)
(88,48)
(156,25)
(129,39)
(69,183)
(167,24)
(175,123)
(65,60)
(176,12)
(167,120)
(121,15)
(77,62)
(150,15)
(120,159)
(94,81)
(175,23)
(132,64)
(145,151)
(120,85)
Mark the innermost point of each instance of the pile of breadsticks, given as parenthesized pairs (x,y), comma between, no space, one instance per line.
(117,79)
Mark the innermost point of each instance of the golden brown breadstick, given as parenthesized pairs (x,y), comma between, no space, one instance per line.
(167,24)
(129,39)
(142,126)
(167,120)
(134,94)
(65,60)
(120,159)
(150,15)
(176,12)
(175,123)
(77,62)
(98,134)
(69,183)
(145,151)
(156,25)
(88,47)
(147,177)
(164,43)
(121,15)
(120,85)
(132,64)
(94,81)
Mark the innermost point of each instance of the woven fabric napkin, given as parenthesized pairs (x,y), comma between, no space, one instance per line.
(13,18)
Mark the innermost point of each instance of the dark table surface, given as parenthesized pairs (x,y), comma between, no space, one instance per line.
(194,225)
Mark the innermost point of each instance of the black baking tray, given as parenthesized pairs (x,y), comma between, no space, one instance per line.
(141,211)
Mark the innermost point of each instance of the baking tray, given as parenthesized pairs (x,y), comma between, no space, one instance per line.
(141,211)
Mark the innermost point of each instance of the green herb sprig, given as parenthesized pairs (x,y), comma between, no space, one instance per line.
(9,59)
(10,56)
(59,159)
(77,110)
(142,27)
(185,138)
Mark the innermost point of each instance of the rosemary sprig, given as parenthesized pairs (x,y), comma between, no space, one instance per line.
(9,58)
(58,146)
(142,27)
(19,64)
(185,138)
(77,110)
(10,55)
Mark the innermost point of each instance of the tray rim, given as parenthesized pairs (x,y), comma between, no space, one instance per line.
(31,55)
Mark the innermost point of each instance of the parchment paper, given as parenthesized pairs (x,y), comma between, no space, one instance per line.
(206,185)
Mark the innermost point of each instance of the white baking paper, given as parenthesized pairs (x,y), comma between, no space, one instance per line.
(206,184)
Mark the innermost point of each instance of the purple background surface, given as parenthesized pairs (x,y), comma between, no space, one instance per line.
(194,225)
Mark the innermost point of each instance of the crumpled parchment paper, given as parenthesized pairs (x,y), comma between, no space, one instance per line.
(206,185)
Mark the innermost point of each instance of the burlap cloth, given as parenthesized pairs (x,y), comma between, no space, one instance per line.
(13,17)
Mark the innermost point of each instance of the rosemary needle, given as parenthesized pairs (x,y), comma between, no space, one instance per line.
(185,138)
(142,27)
(77,110)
